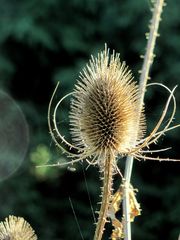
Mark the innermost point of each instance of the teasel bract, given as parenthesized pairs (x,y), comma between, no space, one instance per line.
(16,228)
(104,120)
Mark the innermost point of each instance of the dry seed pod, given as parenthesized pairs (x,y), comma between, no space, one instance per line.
(104,108)
(104,113)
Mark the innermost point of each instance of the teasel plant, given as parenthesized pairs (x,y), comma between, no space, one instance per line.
(107,121)
(16,228)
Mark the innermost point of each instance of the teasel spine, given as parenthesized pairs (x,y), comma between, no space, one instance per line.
(106,195)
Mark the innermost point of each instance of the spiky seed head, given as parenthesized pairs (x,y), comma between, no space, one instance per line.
(16,228)
(104,107)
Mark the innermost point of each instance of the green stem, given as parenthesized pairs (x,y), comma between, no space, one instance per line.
(148,60)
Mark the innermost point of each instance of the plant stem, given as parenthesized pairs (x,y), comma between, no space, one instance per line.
(148,60)
(106,196)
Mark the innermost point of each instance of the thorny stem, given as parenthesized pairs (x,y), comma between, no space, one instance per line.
(148,60)
(106,196)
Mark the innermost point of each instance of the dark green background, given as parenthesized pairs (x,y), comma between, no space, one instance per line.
(45,41)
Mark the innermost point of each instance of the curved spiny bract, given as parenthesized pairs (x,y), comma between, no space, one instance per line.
(155,133)
(55,134)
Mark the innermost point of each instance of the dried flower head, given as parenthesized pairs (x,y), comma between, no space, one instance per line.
(16,228)
(104,108)
(104,114)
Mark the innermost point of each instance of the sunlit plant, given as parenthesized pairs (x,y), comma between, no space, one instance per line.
(107,120)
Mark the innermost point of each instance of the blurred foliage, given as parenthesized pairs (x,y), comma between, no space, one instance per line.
(45,41)
(41,157)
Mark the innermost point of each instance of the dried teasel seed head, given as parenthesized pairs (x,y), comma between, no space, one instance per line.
(104,107)
(16,228)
